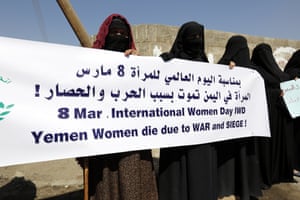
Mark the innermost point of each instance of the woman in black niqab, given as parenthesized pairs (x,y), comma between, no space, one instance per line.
(236,50)
(238,169)
(263,58)
(293,69)
(188,172)
(293,65)
(189,43)
(275,153)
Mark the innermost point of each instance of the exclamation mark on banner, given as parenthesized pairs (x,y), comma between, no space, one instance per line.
(37,90)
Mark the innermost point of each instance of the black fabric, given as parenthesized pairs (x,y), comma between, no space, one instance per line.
(293,65)
(188,172)
(105,29)
(293,69)
(275,153)
(189,43)
(263,56)
(238,167)
(296,158)
(116,43)
(236,50)
(118,23)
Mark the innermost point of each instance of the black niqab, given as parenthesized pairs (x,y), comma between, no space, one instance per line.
(293,65)
(189,43)
(262,56)
(236,50)
(117,42)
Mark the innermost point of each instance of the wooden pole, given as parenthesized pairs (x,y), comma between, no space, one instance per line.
(86,179)
(85,41)
(75,23)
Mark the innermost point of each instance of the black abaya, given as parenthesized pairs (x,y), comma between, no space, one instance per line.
(293,69)
(275,153)
(188,172)
(238,167)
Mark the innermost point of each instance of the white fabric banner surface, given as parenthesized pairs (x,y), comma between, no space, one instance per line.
(59,101)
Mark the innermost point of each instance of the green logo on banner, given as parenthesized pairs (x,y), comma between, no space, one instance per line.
(4,110)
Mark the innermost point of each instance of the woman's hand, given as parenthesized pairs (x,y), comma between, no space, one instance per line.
(231,64)
(281,93)
(130,52)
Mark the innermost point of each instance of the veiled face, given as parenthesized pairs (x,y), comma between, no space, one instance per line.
(118,32)
(117,38)
(192,38)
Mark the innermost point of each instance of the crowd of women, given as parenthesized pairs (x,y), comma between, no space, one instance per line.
(240,167)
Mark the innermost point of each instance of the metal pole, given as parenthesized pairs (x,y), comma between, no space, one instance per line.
(75,23)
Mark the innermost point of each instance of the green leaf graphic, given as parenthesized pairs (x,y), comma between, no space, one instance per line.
(9,106)
(4,113)
(5,110)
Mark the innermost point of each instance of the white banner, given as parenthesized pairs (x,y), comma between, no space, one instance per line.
(60,101)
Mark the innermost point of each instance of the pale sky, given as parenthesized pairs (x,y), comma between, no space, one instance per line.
(43,20)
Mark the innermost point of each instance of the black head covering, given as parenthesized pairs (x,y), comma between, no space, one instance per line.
(293,65)
(189,43)
(236,50)
(262,57)
(117,42)
(118,23)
